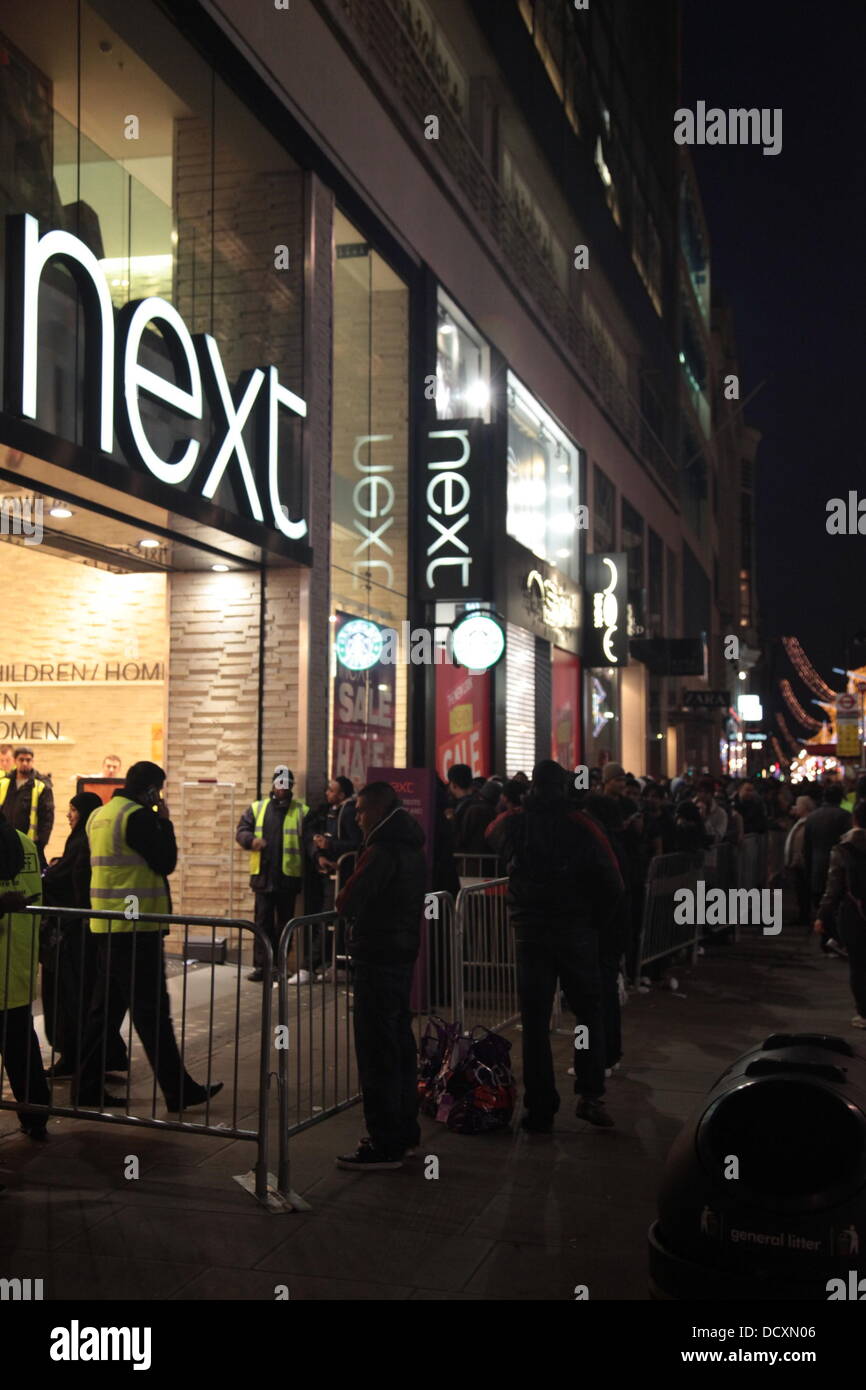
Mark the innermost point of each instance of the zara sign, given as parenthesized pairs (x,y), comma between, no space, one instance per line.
(116,378)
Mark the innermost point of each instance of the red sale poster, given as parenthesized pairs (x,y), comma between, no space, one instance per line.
(462,720)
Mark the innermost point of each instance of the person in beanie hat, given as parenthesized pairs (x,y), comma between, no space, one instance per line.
(271,829)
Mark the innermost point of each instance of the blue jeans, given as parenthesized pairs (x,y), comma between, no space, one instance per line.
(387,1055)
(571,954)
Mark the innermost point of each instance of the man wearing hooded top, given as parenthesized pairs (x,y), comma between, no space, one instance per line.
(384,900)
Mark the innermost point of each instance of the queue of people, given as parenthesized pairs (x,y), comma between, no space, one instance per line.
(97,969)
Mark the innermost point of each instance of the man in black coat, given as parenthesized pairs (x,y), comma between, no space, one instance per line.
(564,888)
(824,829)
(385,900)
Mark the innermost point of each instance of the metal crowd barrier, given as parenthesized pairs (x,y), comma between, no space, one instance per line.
(719,871)
(316,1067)
(752,861)
(660,934)
(477,866)
(98,977)
(487,979)
(316,1061)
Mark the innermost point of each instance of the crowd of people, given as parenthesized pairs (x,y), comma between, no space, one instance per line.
(575,847)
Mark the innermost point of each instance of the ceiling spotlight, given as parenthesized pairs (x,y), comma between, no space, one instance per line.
(60,511)
(149,544)
(220,569)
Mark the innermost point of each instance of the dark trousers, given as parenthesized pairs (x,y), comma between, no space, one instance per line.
(22,1061)
(131,976)
(69,973)
(387,1056)
(853,936)
(274,908)
(571,954)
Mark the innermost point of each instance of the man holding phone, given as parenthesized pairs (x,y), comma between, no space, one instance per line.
(132,852)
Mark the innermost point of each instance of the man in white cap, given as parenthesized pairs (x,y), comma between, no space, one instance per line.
(271,830)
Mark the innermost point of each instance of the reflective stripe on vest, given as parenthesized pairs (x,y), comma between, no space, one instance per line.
(38,788)
(118,873)
(19,966)
(292,865)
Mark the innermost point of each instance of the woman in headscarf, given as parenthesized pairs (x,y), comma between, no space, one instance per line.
(69,949)
(20,884)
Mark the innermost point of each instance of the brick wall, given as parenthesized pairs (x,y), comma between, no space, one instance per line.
(60,611)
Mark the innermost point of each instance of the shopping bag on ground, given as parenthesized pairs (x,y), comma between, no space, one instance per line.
(475,1088)
(436,1042)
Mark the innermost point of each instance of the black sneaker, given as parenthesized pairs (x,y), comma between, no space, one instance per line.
(257,976)
(37,1130)
(61,1068)
(194,1095)
(594,1111)
(366,1159)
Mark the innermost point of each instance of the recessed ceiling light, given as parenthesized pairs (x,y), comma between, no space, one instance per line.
(220,569)
(148,544)
(60,511)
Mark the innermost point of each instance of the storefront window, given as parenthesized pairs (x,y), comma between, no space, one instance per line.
(370,500)
(129,141)
(543,483)
(462,366)
(602,711)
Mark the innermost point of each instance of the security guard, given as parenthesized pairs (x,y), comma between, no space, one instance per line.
(28,801)
(271,830)
(20,883)
(132,852)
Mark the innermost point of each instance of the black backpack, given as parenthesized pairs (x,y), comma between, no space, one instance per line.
(855,877)
(542,869)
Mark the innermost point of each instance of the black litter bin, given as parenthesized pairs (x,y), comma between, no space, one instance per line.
(790,1118)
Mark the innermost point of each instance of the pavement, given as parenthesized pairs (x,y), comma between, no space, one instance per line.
(509,1216)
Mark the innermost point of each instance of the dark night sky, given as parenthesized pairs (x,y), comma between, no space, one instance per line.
(788,234)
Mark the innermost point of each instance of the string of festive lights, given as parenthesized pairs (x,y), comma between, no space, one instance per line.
(813,725)
(805,670)
(780,752)
(789,738)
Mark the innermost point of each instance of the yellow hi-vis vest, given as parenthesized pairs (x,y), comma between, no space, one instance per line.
(19,966)
(116,871)
(292,859)
(38,789)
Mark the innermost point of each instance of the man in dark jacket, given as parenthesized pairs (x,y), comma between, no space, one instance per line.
(564,888)
(28,801)
(342,834)
(385,900)
(824,829)
(751,808)
(472,813)
(844,903)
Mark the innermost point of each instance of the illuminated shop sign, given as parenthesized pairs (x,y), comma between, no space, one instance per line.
(453,515)
(478,641)
(605,626)
(549,600)
(116,379)
(358,645)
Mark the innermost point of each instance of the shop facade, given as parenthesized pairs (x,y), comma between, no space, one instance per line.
(164,460)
